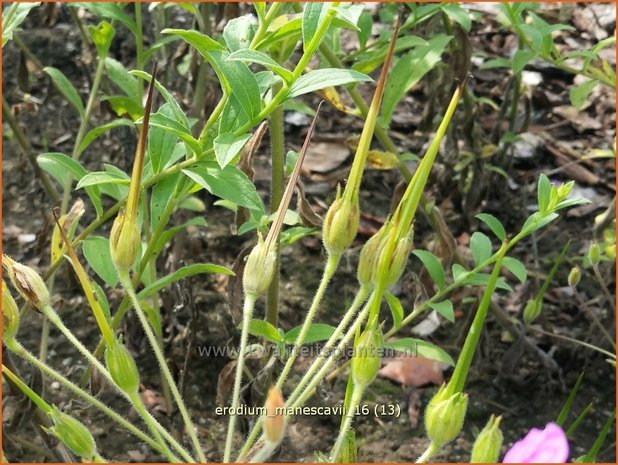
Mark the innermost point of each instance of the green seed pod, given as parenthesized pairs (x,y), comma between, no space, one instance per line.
(367,356)
(73,434)
(27,282)
(259,269)
(124,242)
(396,263)
(574,276)
(122,367)
(10,314)
(445,415)
(594,254)
(487,446)
(369,255)
(340,224)
(532,310)
(274,422)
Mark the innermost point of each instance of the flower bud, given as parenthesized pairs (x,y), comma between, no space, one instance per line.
(259,269)
(574,276)
(594,254)
(124,241)
(348,450)
(487,446)
(27,282)
(10,314)
(73,434)
(396,263)
(369,255)
(274,423)
(532,310)
(340,224)
(122,367)
(367,356)
(445,415)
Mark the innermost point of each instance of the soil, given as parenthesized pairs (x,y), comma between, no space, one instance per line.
(505,379)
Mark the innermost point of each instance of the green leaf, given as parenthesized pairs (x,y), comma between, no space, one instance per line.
(564,412)
(461,277)
(99,131)
(102,177)
(543,193)
(169,234)
(228,146)
(316,332)
(415,347)
(536,221)
(365,24)
(179,114)
(66,88)
(457,14)
(238,33)
(444,308)
(264,329)
(497,63)
(58,164)
(111,11)
(311,19)
(520,59)
(433,266)
(97,253)
(126,82)
(494,224)
(162,194)
(124,106)
(516,267)
(327,77)
(579,94)
(228,183)
(161,143)
(409,70)
(480,245)
(159,120)
(396,309)
(182,273)
(254,56)
(18,16)
(235,76)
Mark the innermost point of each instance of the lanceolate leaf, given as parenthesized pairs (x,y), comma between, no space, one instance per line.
(58,164)
(415,347)
(228,146)
(66,88)
(182,273)
(261,58)
(322,78)
(433,265)
(311,19)
(228,183)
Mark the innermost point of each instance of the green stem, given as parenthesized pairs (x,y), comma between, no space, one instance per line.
(458,380)
(331,266)
(432,449)
(139,43)
(14,346)
(23,387)
(299,399)
(53,317)
(357,396)
(361,296)
(82,131)
(143,412)
(247,314)
(125,280)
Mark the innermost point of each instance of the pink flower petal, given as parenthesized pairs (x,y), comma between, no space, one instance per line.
(548,445)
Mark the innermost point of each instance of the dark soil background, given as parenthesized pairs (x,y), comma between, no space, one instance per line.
(508,377)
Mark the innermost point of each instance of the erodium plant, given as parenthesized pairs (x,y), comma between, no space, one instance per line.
(261,63)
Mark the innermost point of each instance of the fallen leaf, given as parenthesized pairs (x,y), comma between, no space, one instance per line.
(325,156)
(414,371)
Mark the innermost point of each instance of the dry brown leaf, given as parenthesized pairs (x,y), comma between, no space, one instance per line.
(224,383)
(304,209)
(325,156)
